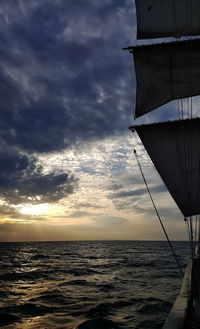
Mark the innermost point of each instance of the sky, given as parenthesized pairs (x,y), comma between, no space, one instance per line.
(67,167)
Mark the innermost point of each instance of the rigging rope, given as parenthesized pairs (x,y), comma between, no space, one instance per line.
(191,233)
(131,77)
(198,234)
(195,239)
(162,225)
(187,229)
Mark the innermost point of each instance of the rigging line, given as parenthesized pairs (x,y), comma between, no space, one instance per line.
(189,165)
(195,234)
(199,234)
(131,78)
(190,17)
(138,142)
(190,86)
(191,232)
(177,88)
(197,230)
(178,110)
(181,151)
(189,39)
(166,235)
(175,19)
(182,108)
(190,99)
(187,228)
(179,101)
(197,237)
(197,243)
(191,116)
(185,143)
(175,80)
(198,184)
(176,85)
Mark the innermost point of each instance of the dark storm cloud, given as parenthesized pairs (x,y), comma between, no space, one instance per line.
(139,191)
(22,180)
(63,76)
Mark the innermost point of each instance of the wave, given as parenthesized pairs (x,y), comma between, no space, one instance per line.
(6,318)
(155,308)
(23,276)
(39,256)
(101,285)
(81,272)
(77,283)
(98,323)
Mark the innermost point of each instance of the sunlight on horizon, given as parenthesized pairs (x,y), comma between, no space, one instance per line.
(30,209)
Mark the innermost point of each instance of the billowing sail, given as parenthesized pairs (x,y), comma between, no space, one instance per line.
(174,148)
(166,18)
(165,72)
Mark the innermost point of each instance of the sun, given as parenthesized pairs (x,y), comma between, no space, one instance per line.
(31,209)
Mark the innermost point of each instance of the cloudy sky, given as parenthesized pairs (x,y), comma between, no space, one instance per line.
(67,168)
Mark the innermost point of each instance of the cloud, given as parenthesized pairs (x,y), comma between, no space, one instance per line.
(78,214)
(138,192)
(63,75)
(8,211)
(110,221)
(22,180)
(125,194)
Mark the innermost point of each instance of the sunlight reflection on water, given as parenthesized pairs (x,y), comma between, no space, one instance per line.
(63,284)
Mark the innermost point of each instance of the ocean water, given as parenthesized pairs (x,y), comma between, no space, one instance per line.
(86,285)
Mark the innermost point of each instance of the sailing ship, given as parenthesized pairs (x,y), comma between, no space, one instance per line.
(169,70)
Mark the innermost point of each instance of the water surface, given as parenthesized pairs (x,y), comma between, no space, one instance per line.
(84,285)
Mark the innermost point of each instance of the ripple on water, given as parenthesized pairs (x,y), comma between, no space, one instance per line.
(87,285)
(98,323)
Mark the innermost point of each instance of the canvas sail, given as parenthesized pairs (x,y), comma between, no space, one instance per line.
(165,72)
(167,18)
(174,148)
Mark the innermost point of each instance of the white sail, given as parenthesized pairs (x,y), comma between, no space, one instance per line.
(174,148)
(166,18)
(165,72)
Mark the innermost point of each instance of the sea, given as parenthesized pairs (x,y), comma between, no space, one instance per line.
(88,284)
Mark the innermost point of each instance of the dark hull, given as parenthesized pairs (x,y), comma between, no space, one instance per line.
(185,313)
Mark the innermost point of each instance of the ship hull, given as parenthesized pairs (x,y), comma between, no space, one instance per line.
(185,313)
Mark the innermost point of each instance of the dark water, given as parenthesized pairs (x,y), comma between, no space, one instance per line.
(88,284)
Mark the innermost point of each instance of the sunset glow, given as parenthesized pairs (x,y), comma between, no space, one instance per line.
(38,209)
